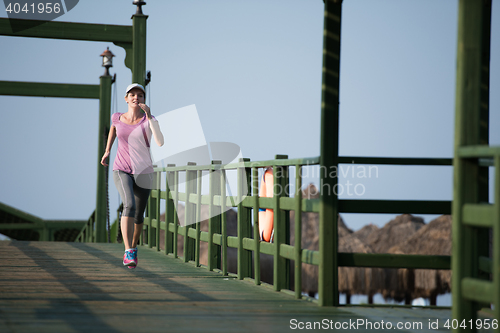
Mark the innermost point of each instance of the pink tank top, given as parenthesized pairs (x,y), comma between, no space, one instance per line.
(133,155)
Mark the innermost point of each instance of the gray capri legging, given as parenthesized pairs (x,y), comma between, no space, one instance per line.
(134,197)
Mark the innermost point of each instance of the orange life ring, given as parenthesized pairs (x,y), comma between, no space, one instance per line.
(266,216)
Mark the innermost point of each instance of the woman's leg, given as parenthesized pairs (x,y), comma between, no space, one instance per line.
(137,234)
(125,186)
(127,225)
(141,196)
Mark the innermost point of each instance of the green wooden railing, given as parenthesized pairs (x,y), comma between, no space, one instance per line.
(47,229)
(88,234)
(247,240)
(476,268)
(88,231)
(476,279)
(12,220)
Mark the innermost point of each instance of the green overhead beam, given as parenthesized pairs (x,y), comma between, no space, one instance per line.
(395,206)
(394,160)
(120,35)
(391,260)
(41,89)
(67,30)
(18,214)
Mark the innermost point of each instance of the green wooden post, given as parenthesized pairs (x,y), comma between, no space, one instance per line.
(169,212)
(104,123)
(158,209)
(88,231)
(223,220)
(298,232)
(150,216)
(281,272)
(198,217)
(143,239)
(329,151)
(472,72)
(278,263)
(484,130)
(256,229)
(44,233)
(285,226)
(139,28)
(244,225)
(286,220)
(214,222)
(189,214)
(147,224)
(176,217)
(114,230)
(139,47)
(496,242)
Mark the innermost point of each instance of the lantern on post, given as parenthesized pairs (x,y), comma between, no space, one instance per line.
(107,60)
(139,4)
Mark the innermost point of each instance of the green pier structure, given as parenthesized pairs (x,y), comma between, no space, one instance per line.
(475,267)
(131,38)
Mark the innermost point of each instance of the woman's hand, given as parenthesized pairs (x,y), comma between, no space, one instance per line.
(146,109)
(104,158)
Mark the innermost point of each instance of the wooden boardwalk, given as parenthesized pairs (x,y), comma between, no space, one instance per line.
(83,287)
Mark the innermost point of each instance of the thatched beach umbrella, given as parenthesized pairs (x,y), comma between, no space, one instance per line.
(357,280)
(351,280)
(310,241)
(433,239)
(394,232)
(398,283)
(364,232)
(393,283)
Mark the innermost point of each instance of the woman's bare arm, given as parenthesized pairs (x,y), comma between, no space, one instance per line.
(153,124)
(109,144)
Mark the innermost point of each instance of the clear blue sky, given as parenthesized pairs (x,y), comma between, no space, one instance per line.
(254,68)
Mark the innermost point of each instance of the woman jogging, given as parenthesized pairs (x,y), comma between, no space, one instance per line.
(133,168)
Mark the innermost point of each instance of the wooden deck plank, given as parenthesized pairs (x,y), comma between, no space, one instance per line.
(75,287)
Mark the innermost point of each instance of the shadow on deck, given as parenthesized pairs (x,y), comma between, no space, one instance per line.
(81,287)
